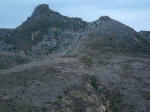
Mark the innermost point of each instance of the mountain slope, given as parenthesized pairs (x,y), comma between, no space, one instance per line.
(116,35)
(54,63)
(32,31)
(45,22)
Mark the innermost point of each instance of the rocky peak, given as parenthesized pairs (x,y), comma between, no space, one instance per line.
(113,33)
(42,6)
(101,20)
(42,9)
(104,18)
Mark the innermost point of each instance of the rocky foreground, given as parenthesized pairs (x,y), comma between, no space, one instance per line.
(54,63)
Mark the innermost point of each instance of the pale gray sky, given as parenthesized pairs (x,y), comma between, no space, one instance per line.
(134,13)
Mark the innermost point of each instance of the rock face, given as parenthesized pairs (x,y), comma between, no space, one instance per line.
(113,33)
(41,9)
(56,41)
(40,21)
(54,63)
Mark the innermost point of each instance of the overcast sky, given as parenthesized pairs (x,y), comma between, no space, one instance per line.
(134,13)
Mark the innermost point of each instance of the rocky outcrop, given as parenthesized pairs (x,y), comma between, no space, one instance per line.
(113,33)
(56,41)
(40,21)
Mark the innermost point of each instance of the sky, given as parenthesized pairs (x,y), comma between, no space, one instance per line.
(134,13)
